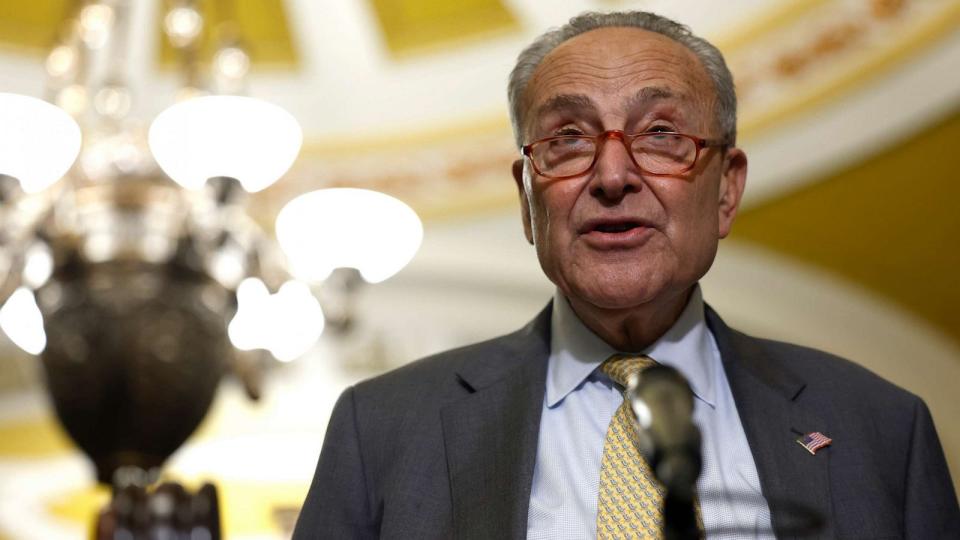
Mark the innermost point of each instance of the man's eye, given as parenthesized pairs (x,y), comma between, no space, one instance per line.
(568,131)
(661,129)
(568,143)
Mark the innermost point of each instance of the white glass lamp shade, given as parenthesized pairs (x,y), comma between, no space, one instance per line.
(287,324)
(21,320)
(334,228)
(38,141)
(248,139)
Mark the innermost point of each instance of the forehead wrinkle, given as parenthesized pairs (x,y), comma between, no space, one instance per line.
(627,71)
(565,102)
(595,67)
(688,82)
(650,94)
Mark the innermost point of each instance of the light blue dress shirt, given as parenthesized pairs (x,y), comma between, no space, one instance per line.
(580,401)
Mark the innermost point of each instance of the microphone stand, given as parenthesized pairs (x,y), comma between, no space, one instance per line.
(662,401)
(679,519)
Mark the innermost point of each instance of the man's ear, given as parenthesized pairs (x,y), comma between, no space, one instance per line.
(732,181)
(524,202)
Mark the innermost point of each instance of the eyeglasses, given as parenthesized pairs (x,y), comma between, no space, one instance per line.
(654,153)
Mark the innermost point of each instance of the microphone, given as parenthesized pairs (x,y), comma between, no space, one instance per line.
(662,401)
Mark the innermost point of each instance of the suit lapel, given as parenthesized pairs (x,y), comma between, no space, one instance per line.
(490,436)
(795,483)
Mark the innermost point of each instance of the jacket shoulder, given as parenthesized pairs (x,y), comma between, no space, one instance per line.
(450,373)
(824,365)
(832,378)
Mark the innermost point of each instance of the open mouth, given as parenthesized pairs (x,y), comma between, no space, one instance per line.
(616,233)
(612,225)
(616,227)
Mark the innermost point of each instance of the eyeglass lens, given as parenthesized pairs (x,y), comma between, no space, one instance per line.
(655,153)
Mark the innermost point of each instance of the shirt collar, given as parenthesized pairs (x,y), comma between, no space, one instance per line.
(575,351)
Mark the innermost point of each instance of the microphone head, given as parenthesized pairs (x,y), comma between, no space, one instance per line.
(662,400)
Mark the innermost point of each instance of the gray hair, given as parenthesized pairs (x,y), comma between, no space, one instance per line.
(709,56)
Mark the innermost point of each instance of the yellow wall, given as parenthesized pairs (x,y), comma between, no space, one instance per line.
(890,223)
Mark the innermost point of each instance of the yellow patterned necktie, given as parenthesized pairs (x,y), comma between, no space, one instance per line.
(630,499)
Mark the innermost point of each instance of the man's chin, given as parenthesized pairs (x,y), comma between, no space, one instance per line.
(615,298)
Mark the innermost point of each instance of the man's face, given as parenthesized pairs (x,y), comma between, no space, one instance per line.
(616,238)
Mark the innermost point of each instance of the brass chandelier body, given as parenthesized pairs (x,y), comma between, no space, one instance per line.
(144,273)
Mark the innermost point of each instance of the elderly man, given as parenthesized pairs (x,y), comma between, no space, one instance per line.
(629,178)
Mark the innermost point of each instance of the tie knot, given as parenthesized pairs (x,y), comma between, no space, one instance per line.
(619,367)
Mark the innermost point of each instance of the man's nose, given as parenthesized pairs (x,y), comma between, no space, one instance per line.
(614,173)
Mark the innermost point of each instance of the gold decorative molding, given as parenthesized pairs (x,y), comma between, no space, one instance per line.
(777,16)
(410,27)
(795,72)
(453,174)
(31,27)
(262,26)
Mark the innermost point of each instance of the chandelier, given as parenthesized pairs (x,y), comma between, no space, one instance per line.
(129,262)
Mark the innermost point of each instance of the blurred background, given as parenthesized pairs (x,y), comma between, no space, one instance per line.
(847,241)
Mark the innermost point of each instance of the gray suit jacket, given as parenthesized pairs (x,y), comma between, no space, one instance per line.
(445,447)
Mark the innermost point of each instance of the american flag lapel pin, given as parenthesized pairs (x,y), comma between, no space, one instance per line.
(814,441)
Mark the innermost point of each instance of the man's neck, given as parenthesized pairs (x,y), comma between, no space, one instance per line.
(632,329)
